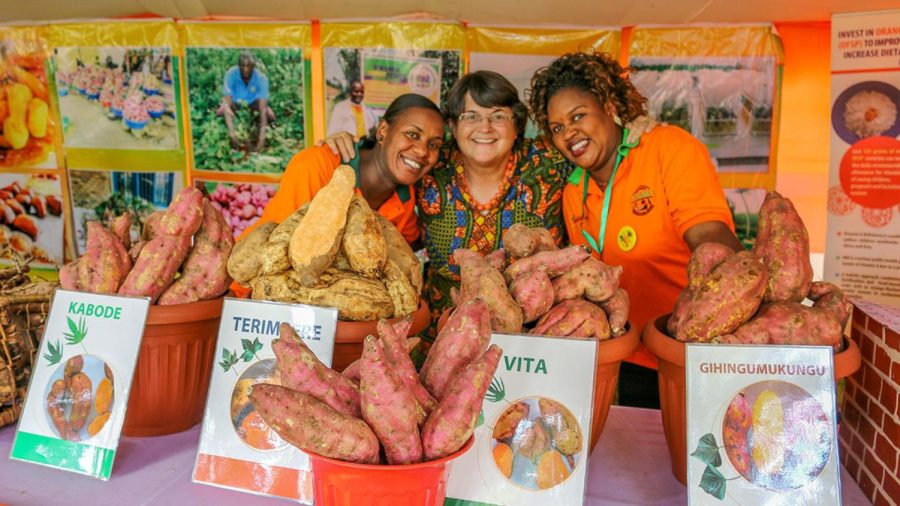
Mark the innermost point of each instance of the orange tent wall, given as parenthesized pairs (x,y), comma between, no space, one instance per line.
(804,136)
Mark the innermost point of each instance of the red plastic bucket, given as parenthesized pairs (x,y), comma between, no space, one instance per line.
(339,483)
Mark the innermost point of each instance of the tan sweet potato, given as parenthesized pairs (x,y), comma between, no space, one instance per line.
(363,243)
(317,238)
(204,273)
(533,292)
(302,371)
(399,251)
(356,298)
(832,299)
(245,259)
(617,308)
(593,279)
(782,243)
(522,241)
(156,267)
(274,255)
(479,279)
(397,354)
(726,299)
(574,318)
(554,263)
(789,323)
(563,426)
(311,425)
(453,422)
(402,292)
(463,339)
(388,406)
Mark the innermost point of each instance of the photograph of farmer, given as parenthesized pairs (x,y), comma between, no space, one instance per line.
(351,115)
(246,86)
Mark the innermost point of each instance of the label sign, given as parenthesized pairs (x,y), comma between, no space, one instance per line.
(237,449)
(76,400)
(533,434)
(761,425)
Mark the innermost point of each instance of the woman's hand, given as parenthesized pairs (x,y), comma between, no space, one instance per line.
(639,126)
(342,144)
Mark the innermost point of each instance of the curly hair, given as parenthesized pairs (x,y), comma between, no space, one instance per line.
(596,73)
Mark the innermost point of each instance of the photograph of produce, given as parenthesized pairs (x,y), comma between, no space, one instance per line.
(241,203)
(247,107)
(104,195)
(776,435)
(866,109)
(80,398)
(537,443)
(117,98)
(31,218)
(744,204)
(248,424)
(28,131)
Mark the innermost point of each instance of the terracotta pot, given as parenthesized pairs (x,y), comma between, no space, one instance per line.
(610,354)
(670,354)
(168,392)
(349,336)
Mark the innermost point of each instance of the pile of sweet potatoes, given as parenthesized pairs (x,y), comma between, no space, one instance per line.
(545,290)
(754,297)
(180,258)
(334,251)
(380,402)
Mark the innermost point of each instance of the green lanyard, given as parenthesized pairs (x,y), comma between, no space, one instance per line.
(621,152)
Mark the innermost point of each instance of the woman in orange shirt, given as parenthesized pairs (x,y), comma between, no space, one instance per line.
(643,205)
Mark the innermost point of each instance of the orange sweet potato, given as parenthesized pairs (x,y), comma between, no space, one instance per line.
(593,279)
(388,406)
(554,263)
(311,425)
(453,422)
(479,279)
(782,243)
(462,340)
(533,291)
(522,241)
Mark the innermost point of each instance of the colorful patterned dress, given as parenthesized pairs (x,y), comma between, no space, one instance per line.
(533,198)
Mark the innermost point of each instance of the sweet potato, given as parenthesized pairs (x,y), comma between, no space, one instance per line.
(832,299)
(156,267)
(352,370)
(311,425)
(204,273)
(533,291)
(135,250)
(522,241)
(507,423)
(574,318)
(593,279)
(56,408)
(274,254)
(497,259)
(782,243)
(789,323)
(551,470)
(81,390)
(532,439)
(97,424)
(726,299)
(317,238)
(151,225)
(463,339)
(104,397)
(704,259)
(453,422)
(479,279)
(245,259)
(504,457)
(397,354)
(121,227)
(399,251)
(184,215)
(302,371)
(553,263)
(102,268)
(363,243)
(403,293)
(617,308)
(563,426)
(388,406)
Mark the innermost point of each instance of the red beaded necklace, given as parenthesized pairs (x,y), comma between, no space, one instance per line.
(498,197)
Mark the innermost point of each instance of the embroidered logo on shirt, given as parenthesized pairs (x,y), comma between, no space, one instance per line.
(642,200)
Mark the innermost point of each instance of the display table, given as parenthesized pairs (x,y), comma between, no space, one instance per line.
(630,466)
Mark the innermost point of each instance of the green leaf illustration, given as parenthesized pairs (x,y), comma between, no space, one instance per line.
(708,451)
(497,391)
(713,483)
(480,421)
(250,349)
(76,333)
(54,353)
(229,358)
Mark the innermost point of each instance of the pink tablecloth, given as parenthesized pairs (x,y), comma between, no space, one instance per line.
(630,466)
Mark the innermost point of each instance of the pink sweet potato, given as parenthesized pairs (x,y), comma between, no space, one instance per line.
(727,298)
(453,422)
(311,425)
(151,225)
(397,354)
(782,243)
(352,370)
(533,291)
(593,279)
(302,371)
(832,299)
(574,318)
(156,266)
(496,259)
(479,279)
(704,259)
(463,339)
(554,263)
(521,241)
(184,215)
(617,308)
(121,227)
(102,268)
(388,407)
(790,323)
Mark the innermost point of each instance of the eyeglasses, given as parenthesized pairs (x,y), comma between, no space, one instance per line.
(495,118)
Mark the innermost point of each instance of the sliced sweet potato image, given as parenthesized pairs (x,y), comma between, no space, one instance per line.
(563,426)
(97,424)
(503,456)
(56,407)
(532,439)
(551,470)
(103,398)
(509,420)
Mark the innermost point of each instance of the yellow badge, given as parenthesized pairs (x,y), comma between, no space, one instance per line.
(626,238)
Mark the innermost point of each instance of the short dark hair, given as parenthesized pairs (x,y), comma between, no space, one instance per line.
(487,89)
(408,101)
(246,55)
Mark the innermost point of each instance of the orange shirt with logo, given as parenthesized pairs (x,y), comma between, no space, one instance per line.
(665,185)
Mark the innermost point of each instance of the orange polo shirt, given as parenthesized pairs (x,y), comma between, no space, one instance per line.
(665,185)
(309,171)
